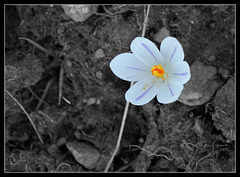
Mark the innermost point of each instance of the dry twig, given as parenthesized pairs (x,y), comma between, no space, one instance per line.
(62,165)
(153,153)
(60,85)
(36,45)
(44,94)
(36,95)
(28,116)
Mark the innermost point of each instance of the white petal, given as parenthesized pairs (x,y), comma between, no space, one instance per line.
(171,50)
(143,91)
(169,92)
(180,73)
(128,67)
(146,51)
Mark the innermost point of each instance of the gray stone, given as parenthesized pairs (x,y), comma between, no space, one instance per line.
(77,135)
(52,149)
(211,58)
(98,102)
(69,63)
(79,13)
(91,101)
(224,115)
(212,25)
(161,34)
(60,29)
(198,126)
(99,53)
(62,141)
(99,74)
(84,153)
(201,86)
(232,31)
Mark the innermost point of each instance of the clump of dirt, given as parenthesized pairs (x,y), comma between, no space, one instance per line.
(224,115)
(157,138)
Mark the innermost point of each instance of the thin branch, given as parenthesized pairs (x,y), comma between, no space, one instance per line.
(196,165)
(153,153)
(60,85)
(65,99)
(126,108)
(37,45)
(28,116)
(45,115)
(112,14)
(44,94)
(36,95)
(62,165)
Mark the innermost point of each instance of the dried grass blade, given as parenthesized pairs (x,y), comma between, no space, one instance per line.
(44,94)
(36,45)
(28,116)
(60,85)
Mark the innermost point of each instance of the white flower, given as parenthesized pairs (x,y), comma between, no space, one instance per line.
(160,73)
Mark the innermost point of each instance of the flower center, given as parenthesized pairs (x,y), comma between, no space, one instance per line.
(157,70)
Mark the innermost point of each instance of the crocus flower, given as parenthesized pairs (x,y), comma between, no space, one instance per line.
(160,73)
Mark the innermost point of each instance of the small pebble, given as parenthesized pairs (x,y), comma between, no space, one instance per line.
(99,53)
(199,127)
(191,115)
(91,101)
(212,25)
(61,29)
(141,140)
(211,58)
(80,126)
(232,31)
(79,13)
(52,149)
(69,63)
(161,34)
(84,153)
(77,135)
(98,101)
(85,100)
(99,75)
(62,141)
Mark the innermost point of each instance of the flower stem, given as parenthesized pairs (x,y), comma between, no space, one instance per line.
(145,22)
(126,106)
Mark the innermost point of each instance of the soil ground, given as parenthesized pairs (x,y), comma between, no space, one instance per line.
(157,138)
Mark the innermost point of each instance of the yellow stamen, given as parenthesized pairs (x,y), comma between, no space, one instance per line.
(158,71)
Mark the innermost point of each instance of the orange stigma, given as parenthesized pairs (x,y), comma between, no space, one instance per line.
(158,71)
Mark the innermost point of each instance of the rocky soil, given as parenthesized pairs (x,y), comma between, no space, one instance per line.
(57,69)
